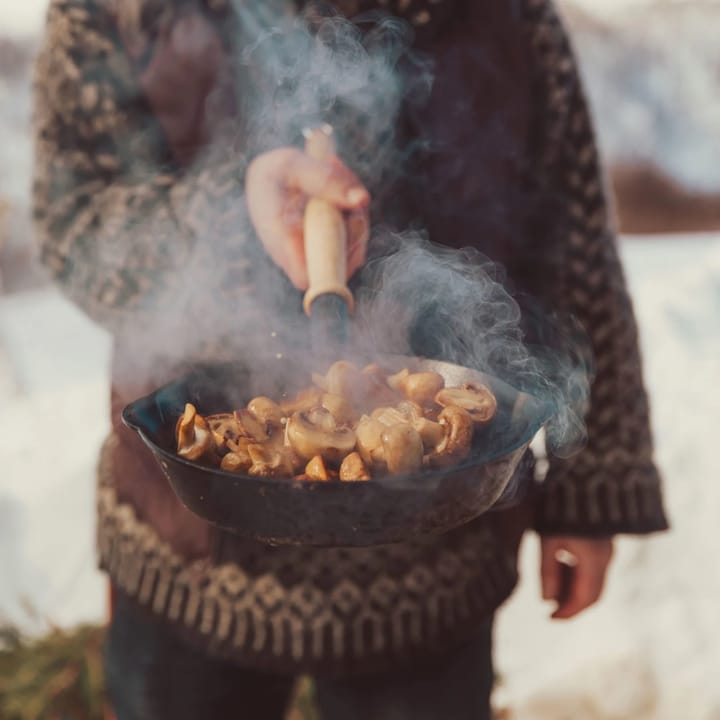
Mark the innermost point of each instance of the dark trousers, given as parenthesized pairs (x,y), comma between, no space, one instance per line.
(152,675)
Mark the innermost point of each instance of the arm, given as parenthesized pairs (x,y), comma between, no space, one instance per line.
(117,222)
(612,485)
(132,219)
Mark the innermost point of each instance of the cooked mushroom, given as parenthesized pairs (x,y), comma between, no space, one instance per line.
(431,432)
(395,381)
(457,425)
(270,461)
(304,400)
(402,449)
(340,408)
(237,458)
(250,427)
(369,441)
(388,416)
(478,400)
(420,387)
(194,437)
(316,432)
(224,427)
(353,468)
(266,411)
(316,470)
(342,378)
(234,462)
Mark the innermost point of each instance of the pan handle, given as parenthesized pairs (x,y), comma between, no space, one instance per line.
(325,234)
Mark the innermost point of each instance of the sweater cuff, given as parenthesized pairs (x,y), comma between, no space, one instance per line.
(606,501)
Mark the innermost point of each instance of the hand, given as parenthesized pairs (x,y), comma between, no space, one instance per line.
(589,560)
(278,185)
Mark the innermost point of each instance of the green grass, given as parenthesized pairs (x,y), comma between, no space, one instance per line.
(56,677)
(59,677)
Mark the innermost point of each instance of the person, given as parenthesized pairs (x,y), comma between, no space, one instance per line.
(152,158)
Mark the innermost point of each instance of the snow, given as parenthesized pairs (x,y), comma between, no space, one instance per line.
(53,416)
(651,649)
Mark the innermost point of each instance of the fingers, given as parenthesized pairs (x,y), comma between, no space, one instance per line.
(549,569)
(358,227)
(573,572)
(330,181)
(585,589)
(278,184)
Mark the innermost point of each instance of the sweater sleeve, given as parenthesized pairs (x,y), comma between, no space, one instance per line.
(612,485)
(122,229)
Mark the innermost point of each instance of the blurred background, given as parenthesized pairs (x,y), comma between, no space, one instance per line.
(651,650)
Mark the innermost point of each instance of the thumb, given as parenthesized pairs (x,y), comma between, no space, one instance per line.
(549,570)
(328,180)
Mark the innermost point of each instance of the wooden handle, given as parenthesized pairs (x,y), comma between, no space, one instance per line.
(325,234)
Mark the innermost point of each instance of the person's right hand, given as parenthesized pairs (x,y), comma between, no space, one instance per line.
(278,185)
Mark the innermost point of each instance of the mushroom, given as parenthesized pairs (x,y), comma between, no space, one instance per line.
(194,437)
(369,441)
(315,432)
(270,461)
(237,458)
(250,427)
(340,408)
(266,411)
(316,470)
(431,432)
(478,400)
(402,449)
(457,425)
(224,427)
(304,400)
(353,468)
(395,381)
(419,387)
(342,378)
(234,462)
(388,416)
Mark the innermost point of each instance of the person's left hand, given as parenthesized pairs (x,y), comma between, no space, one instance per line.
(589,563)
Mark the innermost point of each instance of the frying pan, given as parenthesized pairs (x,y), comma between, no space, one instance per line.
(379,511)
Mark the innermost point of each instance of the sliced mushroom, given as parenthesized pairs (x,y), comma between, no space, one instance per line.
(269,461)
(266,411)
(369,441)
(234,462)
(316,470)
(421,387)
(340,408)
(237,458)
(343,378)
(457,425)
(395,381)
(478,400)
(224,427)
(250,427)
(402,449)
(316,432)
(304,400)
(194,437)
(353,468)
(388,416)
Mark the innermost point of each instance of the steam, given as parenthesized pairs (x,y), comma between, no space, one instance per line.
(423,299)
(412,298)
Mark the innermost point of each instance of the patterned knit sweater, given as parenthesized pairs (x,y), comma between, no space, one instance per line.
(119,222)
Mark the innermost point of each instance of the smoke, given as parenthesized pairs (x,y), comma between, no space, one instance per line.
(227,301)
(427,300)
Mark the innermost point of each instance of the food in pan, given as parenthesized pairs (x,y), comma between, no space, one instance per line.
(352,425)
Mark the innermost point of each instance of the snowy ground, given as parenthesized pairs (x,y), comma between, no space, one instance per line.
(650,652)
